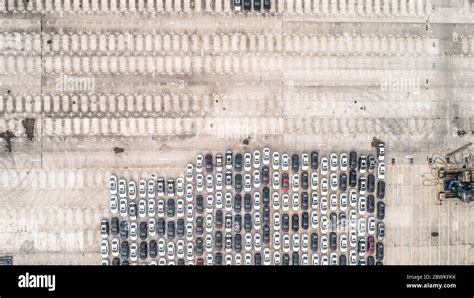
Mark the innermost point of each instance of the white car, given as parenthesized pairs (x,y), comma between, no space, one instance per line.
(199,163)
(333,259)
(238,259)
(219,200)
(286,243)
(228,201)
(324,186)
(161,247)
(361,227)
(285,202)
(132,190)
(199,182)
(314,219)
(257,241)
(257,220)
(180,248)
(122,188)
(276,180)
(352,257)
(190,251)
(123,207)
(142,208)
(189,213)
(228,260)
(151,188)
(295,243)
(113,185)
(324,260)
(304,161)
(189,193)
(295,182)
(115,247)
(256,159)
(247,161)
(333,161)
(219,183)
(324,226)
(151,207)
(285,162)
(266,156)
(314,259)
(133,252)
(353,238)
(133,230)
(304,242)
(180,186)
(247,182)
(266,256)
(180,208)
(104,248)
(208,243)
(276,161)
(314,200)
(219,162)
(248,259)
(114,204)
(324,244)
(342,242)
(209,220)
(248,241)
(142,188)
(324,166)
(333,202)
(276,240)
(352,218)
(189,172)
(170,251)
(209,183)
(362,206)
(256,178)
(381,152)
(276,200)
(343,201)
(343,162)
(151,227)
(160,208)
(276,258)
(295,201)
(371,225)
(209,203)
(381,171)
(189,231)
(314,181)
(324,205)
(276,221)
(352,198)
(362,185)
(333,181)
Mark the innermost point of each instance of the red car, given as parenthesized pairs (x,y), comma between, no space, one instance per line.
(371,242)
(200,261)
(285,182)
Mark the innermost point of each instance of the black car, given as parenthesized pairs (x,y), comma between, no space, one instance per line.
(238,182)
(228,158)
(371,162)
(171,232)
(370,183)
(114,226)
(199,225)
(247,223)
(125,263)
(170,208)
(342,260)
(379,251)
(379,263)
(380,210)
(143,250)
(247,5)
(199,246)
(218,259)
(295,162)
(257,4)
(266,196)
(180,262)
(238,223)
(199,204)
(314,160)
(153,249)
(342,220)
(123,230)
(295,222)
(285,222)
(219,219)
(333,241)
(218,240)
(333,220)
(304,180)
(116,262)
(161,227)
(257,259)
(209,166)
(343,182)
(266,4)
(237,203)
(266,215)
(352,178)
(266,234)
(238,161)
(353,160)
(237,242)
(180,228)
(265,175)
(314,242)
(143,230)
(295,258)
(304,220)
(124,250)
(247,202)
(370,261)
(304,201)
(381,189)
(286,259)
(370,203)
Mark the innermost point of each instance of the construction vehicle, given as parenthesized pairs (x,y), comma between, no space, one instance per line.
(457,183)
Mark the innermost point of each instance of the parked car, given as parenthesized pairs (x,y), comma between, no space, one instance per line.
(353,160)
(295,162)
(381,189)
(380,210)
